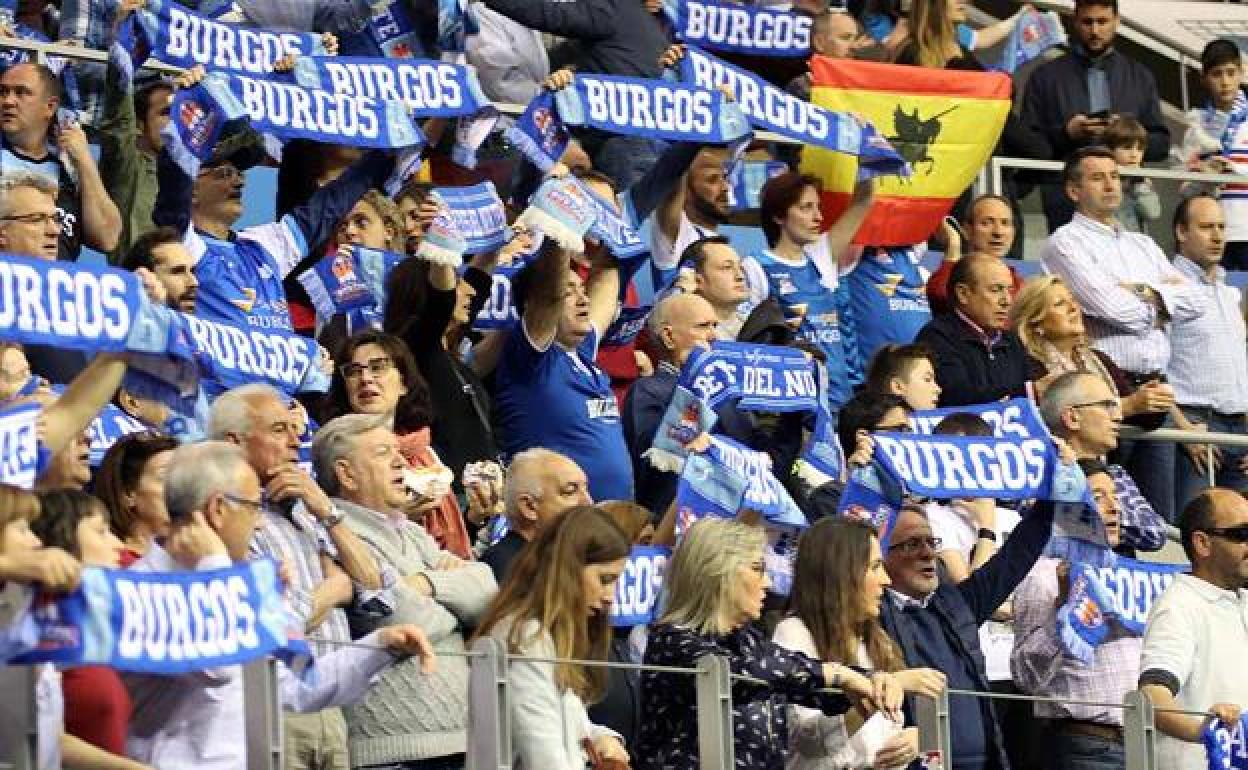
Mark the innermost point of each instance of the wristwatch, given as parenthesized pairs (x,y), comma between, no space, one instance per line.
(986,534)
(334,518)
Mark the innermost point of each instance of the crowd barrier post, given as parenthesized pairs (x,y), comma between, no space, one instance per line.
(1139,732)
(487,683)
(262,708)
(715,733)
(19,725)
(931,716)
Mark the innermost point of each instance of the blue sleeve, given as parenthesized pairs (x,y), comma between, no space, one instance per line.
(849,333)
(317,218)
(990,585)
(877,25)
(966,37)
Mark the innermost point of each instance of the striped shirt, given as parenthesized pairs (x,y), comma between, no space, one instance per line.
(1095,260)
(1209,361)
(1213,132)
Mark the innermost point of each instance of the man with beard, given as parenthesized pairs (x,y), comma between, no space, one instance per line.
(163,252)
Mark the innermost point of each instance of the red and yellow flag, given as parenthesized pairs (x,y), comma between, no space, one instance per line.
(945,123)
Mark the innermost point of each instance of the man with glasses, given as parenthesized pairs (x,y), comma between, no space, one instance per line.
(1080,735)
(1083,410)
(1196,636)
(936,623)
(33,139)
(302,528)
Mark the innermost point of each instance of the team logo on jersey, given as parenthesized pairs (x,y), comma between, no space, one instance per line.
(891,282)
(248,301)
(785,285)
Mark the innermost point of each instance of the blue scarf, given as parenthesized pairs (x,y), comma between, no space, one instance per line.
(627,325)
(429,89)
(388,32)
(561,209)
(19,446)
(776,110)
(742,29)
(167,623)
(1124,593)
(654,109)
(617,232)
(110,426)
(479,216)
(233,356)
(350,281)
(1225,745)
(539,133)
(746,180)
(178,36)
(1034,33)
(499,311)
(637,592)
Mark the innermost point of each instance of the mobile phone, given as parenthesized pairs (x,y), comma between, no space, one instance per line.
(1100,115)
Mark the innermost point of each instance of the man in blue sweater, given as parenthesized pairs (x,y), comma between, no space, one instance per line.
(936,623)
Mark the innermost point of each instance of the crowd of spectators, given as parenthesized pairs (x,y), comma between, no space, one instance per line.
(456,482)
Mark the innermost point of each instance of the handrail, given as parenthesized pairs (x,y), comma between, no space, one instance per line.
(998,163)
(1176,436)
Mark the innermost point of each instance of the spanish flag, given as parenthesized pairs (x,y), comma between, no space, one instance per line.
(945,123)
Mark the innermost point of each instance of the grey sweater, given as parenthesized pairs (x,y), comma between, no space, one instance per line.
(407,715)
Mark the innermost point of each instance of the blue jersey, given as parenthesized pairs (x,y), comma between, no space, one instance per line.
(888,295)
(827,323)
(559,399)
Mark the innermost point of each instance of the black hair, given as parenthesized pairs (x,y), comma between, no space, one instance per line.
(863,412)
(1219,52)
(1198,515)
(694,255)
(1070,171)
(963,424)
(62,510)
(140,253)
(1181,212)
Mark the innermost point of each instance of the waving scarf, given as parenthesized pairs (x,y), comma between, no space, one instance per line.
(539,133)
(427,88)
(1123,593)
(655,109)
(1224,745)
(478,214)
(1034,33)
(166,623)
(19,445)
(388,32)
(742,29)
(562,209)
(771,108)
(637,591)
(746,180)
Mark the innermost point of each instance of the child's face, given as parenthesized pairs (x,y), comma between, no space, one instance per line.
(1130,156)
(919,387)
(1222,82)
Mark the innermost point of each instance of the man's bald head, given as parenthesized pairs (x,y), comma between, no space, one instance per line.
(680,322)
(834,34)
(541,484)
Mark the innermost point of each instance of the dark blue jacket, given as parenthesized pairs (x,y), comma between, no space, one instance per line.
(959,610)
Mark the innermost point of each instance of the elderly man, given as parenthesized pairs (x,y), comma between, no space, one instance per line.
(301,527)
(1083,410)
(989,229)
(1081,736)
(1129,293)
(1195,639)
(540,485)
(34,140)
(406,716)
(978,359)
(197,720)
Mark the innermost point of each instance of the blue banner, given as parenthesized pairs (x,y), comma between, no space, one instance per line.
(615,230)
(19,445)
(232,356)
(637,592)
(1123,592)
(166,623)
(627,325)
(110,426)
(388,32)
(1034,33)
(335,286)
(1224,744)
(479,216)
(743,29)
(776,110)
(427,88)
(656,109)
(539,133)
(767,378)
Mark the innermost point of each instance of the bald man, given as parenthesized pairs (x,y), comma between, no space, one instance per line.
(835,34)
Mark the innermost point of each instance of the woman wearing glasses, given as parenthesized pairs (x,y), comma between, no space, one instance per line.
(838,583)
(713,595)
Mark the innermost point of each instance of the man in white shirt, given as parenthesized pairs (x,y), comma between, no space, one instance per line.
(1198,631)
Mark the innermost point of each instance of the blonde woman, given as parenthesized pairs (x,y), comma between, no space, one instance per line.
(556,603)
(713,595)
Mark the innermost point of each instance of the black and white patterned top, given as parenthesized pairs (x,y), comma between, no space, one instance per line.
(669,730)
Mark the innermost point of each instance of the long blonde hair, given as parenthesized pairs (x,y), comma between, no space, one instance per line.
(932,33)
(701,583)
(545,585)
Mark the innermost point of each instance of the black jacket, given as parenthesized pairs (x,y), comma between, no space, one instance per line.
(969,372)
(1058,90)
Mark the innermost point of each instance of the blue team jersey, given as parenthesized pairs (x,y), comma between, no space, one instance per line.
(888,296)
(559,399)
(825,322)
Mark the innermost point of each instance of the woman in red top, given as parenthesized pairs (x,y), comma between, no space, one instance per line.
(97,706)
(131,484)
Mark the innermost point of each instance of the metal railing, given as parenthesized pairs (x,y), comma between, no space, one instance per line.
(997,165)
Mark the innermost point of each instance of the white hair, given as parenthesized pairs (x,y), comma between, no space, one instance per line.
(16,180)
(199,471)
(232,411)
(335,440)
(524,476)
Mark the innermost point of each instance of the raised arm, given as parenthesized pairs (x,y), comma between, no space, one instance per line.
(989,586)
(543,301)
(841,234)
(69,415)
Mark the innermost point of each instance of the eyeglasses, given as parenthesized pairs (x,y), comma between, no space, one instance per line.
(1110,405)
(221,173)
(48,218)
(901,427)
(375,366)
(916,545)
(1236,534)
(255,505)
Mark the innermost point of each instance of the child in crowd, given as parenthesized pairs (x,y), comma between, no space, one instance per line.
(906,371)
(1126,138)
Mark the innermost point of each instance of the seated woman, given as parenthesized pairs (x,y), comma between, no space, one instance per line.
(713,593)
(131,484)
(556,602)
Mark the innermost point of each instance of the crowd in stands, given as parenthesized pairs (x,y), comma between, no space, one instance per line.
(452,480)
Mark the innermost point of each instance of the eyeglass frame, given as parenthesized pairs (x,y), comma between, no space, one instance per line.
(1108,404)
(1225,533)
(353,370)
(911,546)
(255,505)
(35,218)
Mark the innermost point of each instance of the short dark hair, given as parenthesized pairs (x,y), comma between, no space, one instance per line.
(143,97)
(1198,515)
(61,512)
(963,273)
(863,412)
(1071,172)
(892,362)
(120,473)
(1110,4)
(414,409)
(1092,466)
(968,215)
(1125,131)
(140,253)
(1219,52)
(963,424)
(778,195)
(415,190)
(694,255)
(1182,210)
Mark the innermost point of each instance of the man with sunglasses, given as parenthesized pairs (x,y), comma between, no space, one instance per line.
(1196,637)
(936,623)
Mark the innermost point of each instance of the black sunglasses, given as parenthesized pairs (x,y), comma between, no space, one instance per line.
(1237,534)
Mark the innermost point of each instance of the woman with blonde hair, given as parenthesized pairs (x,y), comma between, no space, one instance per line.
(712,596)
(838,583)
(556,603)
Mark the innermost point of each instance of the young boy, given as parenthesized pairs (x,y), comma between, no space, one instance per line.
(1126,138)
(1217,141)
(905,371)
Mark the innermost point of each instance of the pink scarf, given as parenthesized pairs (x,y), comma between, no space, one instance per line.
(444,522)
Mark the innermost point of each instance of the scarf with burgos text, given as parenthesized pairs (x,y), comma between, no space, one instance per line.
(655,109)
(1122,595)
(755,31)
(1224,744)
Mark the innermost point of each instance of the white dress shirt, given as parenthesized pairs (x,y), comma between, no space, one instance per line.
(1095,260)
(1209,353)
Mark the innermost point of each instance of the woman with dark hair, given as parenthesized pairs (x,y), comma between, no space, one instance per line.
(838,584)
(556,603)
(131,484)
(97,705)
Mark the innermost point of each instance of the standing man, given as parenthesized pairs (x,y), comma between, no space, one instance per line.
(1196,636)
